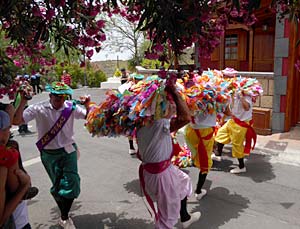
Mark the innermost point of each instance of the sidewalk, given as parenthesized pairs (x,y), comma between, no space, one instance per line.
(285,147)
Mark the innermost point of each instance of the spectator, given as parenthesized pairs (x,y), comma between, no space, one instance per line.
(67,79)
(38,82)
(14,182)
(124,76)
(33,83)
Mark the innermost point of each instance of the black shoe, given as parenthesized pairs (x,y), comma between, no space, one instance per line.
(31,192)
(28,132)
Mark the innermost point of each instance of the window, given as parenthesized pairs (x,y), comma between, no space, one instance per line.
(231,47)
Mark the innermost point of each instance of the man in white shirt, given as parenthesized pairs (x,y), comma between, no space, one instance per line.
(55,124)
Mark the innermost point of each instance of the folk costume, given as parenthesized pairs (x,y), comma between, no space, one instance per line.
(57,146)
(237,131)
(199,136)
(164,182)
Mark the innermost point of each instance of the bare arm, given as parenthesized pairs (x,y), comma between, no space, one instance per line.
(10,110)
(227,111)
(245,104)
(183,116)
(8,207)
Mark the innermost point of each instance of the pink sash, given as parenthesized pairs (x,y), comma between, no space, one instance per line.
(153,168)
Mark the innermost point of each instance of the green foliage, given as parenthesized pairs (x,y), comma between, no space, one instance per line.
(94,78)
(152,64)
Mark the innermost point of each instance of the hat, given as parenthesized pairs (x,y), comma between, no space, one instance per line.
(59,88)
(137,76)
(4,120)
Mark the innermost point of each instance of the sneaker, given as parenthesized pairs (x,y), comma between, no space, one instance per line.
(31,192)
(216,158)
(132,152)
(199,196)
(238,170)
(194,217)
(67,224)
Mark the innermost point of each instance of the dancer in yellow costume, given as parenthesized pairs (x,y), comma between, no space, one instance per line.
(199,138)
(237,131)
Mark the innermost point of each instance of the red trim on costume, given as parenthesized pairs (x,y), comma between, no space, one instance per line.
(153,168)
(202,153)
(8,156)
(250,134)
(176,147)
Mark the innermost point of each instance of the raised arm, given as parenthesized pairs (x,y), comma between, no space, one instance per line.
(245,103)
(183,116)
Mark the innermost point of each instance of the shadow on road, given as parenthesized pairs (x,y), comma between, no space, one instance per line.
(218,207)
(259,168)
(133,187)
(110,220)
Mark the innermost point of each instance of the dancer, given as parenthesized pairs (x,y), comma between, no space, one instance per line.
(14,182)
(162,180)
(238,130)
(55,127)
(199,136)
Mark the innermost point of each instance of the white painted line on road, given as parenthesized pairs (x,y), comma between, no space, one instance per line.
(31,161)
(16,128)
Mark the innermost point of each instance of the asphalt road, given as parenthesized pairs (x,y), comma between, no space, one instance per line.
(266,197)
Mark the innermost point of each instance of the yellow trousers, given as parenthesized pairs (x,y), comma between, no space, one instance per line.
(234,133)
(202,160)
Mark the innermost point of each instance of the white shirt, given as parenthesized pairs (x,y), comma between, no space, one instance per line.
(154,141)
(204,121)
(239,111)
(46,116)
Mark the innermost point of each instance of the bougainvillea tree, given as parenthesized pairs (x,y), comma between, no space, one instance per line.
(74,24)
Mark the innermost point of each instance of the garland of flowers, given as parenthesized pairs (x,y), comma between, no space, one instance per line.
(147,101)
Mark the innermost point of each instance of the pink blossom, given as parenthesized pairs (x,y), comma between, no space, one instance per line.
(50,14)
(62,2)
(37,12)
(151,56)
(162,74)
(158,48)
(234,13)
(100,24)
(17,64)
(90,53)
(82,64)
(6,24)
(101,37)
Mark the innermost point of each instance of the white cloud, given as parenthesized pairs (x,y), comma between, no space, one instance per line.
(110,55)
